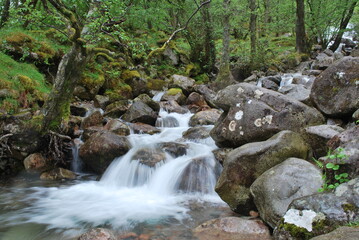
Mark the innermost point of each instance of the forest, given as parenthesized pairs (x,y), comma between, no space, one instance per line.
(179,119)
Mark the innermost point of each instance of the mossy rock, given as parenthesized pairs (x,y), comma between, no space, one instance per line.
(156,84)
(192,70)
(201,79)
(129,75)
(120,92)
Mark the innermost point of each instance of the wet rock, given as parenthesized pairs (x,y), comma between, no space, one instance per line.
(58,174)
(320,213)
(98,234)
(77,110)
(86,134)
(173,106)
(174,149)
(341,233)
(117,109)
(245,164)
(232,228)
(142,128)
(23,143)
(196,102)
(149,101)
(167,121)
(312,72)
(101,101)
(207,93)
(196,133)
(275,189)
(101,149)
(140,112)
(318,136)
(255,114)
(336,91)
(174,94)
(95,119)
(118,127)
(182,82)
(355,115)
(207,117)
(36,162)
(268,84)
(149,156)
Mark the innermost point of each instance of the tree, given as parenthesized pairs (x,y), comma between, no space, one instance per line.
(300,37)
(253,27)
(5,13)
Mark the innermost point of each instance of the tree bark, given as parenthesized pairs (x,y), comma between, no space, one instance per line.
(347,15)
(5,13)
(253,27)
(209,46)
(300,39)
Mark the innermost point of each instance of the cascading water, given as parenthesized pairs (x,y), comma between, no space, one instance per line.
(131,191)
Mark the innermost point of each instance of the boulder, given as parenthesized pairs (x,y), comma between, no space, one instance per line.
(275,189)
(207,117)
(196,102)
(77,110)
(297,92)
(101,148)
(174,149)
(173,106)
(320,213)
(86,134)
(196,133)
(36,162)
(140,112)
(142,128)
(94,119)
(255,114)
(101,101)
(336,91)
(341,233)
(98,234)
(58,174)
(149,156)
(207,93)
(245,164)
(232,228)
(221,154)
(267,83)
(23,143)
(318,136)
(149,101)
(175,94)
(117,109)
(118,127)
(182,82)
(322,61)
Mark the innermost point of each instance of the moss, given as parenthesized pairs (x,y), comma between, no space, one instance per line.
(192,69)
(203,78)
(174,91)
(121,92)
(130,74)
(349,207)
(9,105)
(155,84)
(297,232)
(27,83)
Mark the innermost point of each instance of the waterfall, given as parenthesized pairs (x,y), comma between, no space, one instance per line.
(76,164)
(155,181)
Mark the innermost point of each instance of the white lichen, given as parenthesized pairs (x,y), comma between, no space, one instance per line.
(258,122)
(238,105)
(258,93)
(299,218)
(265,120)
(241,133)
(238,115)
(240,90)
(232,126)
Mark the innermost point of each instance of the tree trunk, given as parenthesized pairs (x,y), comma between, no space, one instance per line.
(224,75)
(267,16)
(57,107)
(300,39)
(5,14)
(253,27)
(209,46)
(347,15)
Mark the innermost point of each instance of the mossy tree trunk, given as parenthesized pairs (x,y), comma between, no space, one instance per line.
(5,13)
(300,38)
(224,75)
(253,27)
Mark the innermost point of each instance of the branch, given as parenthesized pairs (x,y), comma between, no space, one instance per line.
(186,24)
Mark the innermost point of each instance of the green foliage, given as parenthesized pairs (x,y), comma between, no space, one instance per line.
(338,178)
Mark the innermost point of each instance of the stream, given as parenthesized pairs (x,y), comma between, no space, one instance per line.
(165,201)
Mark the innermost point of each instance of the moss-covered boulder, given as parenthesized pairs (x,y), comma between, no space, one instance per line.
(245,164)
(175,94)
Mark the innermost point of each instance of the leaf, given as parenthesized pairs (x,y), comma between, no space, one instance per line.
(336,167)
(330,165)
(344,175)
(331,186)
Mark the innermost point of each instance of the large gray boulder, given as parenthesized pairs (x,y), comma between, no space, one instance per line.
(140,112)
(319,213)
(182,82)
(245,164)
(232,228)
(255,114)
(336,91)
(275,189)
(207,117)
(101,148)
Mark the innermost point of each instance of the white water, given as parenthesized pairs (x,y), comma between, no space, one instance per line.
(130,192)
